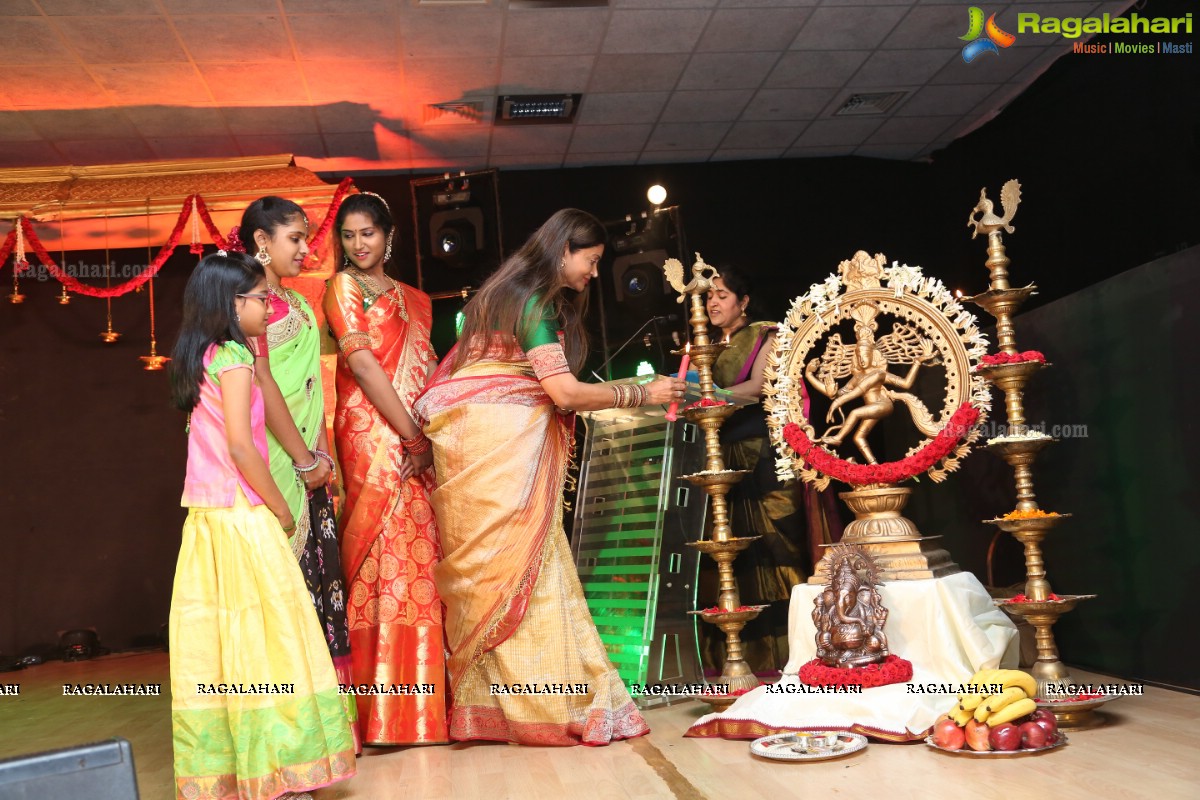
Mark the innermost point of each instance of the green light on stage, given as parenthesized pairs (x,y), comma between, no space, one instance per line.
(645,368)
(459,318)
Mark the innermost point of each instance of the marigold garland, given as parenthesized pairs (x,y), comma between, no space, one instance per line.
(1036,513)
(316,245)
(924,459)
(1011,358)
(892,669)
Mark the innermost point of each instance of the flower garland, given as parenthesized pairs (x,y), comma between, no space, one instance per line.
(1010,358)
(1020,598)
(793,444)
(892,669)
(942,445)
(23,228)
(705,402)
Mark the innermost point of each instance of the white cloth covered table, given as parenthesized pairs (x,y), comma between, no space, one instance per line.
(947,627)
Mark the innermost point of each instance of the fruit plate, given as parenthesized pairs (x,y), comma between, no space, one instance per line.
(966,751)
(800,746)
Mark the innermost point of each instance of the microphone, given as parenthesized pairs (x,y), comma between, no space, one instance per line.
(629,341)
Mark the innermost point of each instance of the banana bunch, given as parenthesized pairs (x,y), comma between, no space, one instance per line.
(1013,701)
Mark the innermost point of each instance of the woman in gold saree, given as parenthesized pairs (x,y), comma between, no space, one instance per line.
(389,536)
(526,662)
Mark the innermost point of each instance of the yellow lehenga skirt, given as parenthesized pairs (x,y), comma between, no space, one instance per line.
(526,662)
(255,705)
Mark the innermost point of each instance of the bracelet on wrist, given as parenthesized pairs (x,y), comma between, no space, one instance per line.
(417,445)
(316,462)
(328,459)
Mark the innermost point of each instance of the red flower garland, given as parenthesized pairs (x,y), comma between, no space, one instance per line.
(892,471)
(719,610)
(10,242)
(891,670)
(315,245)
(705,402)
(217,238)
(1020,598)
(1011,358)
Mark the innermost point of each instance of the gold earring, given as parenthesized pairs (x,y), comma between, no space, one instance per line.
(387,251)
(262,256)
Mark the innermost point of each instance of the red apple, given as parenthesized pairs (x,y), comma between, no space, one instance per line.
(977,735)
(1005,736)
(948,736)
(1045,718)
(1033,735)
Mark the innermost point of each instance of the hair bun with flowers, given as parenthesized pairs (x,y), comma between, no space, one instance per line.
(235,240)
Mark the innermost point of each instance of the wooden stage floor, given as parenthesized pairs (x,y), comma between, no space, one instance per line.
(1149,748)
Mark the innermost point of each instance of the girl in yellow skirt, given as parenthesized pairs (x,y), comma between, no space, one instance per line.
(255,708)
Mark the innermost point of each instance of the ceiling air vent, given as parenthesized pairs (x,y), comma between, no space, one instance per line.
(542,109)
(458,112)
(877,103)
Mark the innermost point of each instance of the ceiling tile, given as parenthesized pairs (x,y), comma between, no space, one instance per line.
(745,135)
(622,107)
(327,80)
(322,6)
(32,154)
(987,68)
(554,31)
(165,83)
(662,3)
(31,41)
(752,29)
(461,32)
(193,146)
(649,72)
(674,156)
(837,132)
(544,74)
(456,142)
(746,154)
(300,144)
(352,145)
(820,151)
(105,151)
(599,159)
(324,37)
(97,8)
(247,120)
(121,40)
(439,163)
(929,26)
(788,104)
(442,80)
(911,130)
(727,70)
(248,83)
(530,139)
(654,31)
(80,123)
(51,86)
(167,121)
(877,2)
(18,8)
(1038,65)
(346,117)
(713,106)
(220,39)
(902,67)
(941,100)
(525,162)
(180,8)
(687,136)
(609,138)
(861,28)
(898,152)
(767,3)
(15,127)
(801,70)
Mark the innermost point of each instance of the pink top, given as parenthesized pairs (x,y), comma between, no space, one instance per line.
(212,477)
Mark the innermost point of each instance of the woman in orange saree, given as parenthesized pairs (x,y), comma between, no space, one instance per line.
(389,536)
(526,662)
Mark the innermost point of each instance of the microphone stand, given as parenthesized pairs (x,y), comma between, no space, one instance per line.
(626,343)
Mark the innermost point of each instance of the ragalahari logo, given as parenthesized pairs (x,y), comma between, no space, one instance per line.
(993,40)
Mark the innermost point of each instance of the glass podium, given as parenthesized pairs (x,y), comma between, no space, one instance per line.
(634,515)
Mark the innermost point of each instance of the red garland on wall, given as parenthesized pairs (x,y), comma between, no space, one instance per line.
(316,245)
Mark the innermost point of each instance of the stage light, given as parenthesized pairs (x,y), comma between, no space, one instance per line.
(645,368)
(656,194)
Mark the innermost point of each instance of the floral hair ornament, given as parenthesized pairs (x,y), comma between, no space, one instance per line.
(223,253)
(235,240)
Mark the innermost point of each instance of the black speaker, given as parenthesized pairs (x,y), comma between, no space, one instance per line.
(457,219)
(639,283)
(99,771)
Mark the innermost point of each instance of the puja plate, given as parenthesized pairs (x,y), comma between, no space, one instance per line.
(966,751)
(808,745)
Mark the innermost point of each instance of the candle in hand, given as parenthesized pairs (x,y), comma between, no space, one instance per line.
(673,409)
